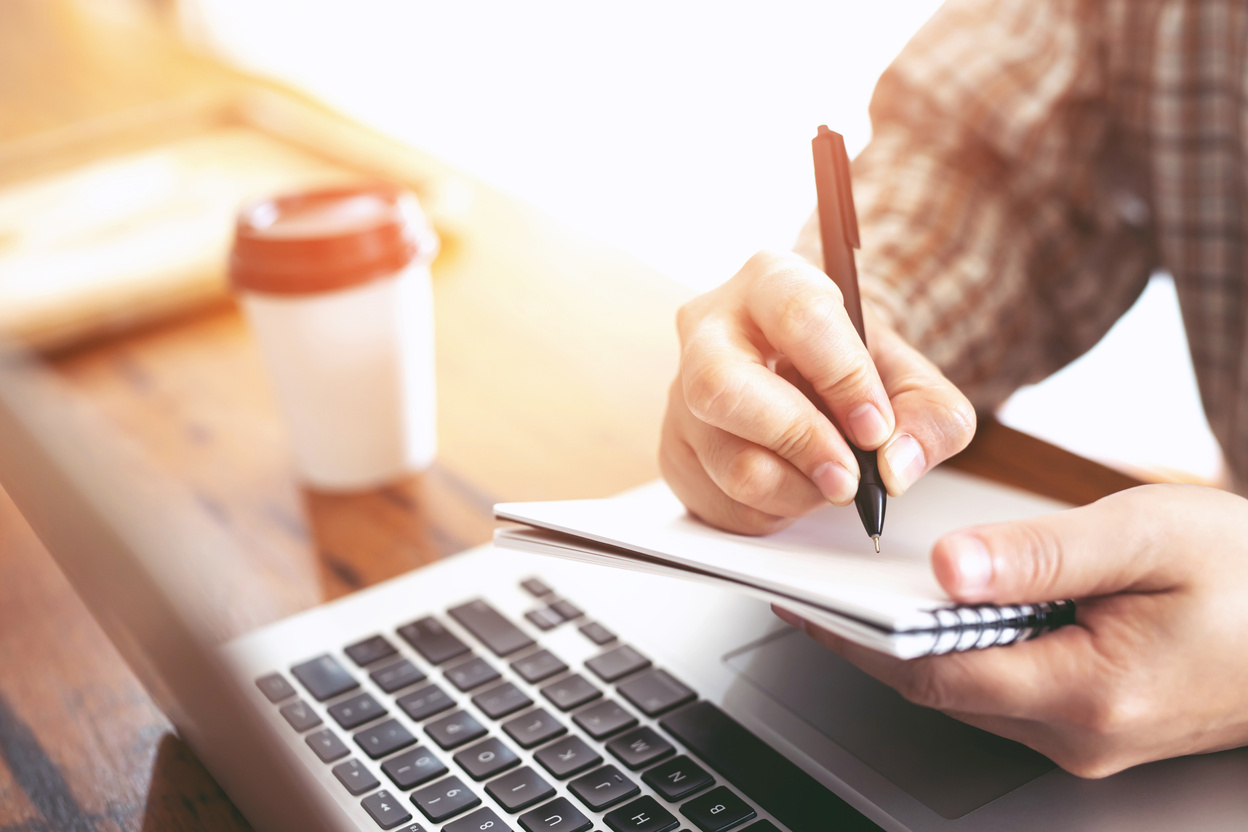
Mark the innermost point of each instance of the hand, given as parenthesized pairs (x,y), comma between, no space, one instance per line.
(1156,664)
(746,443)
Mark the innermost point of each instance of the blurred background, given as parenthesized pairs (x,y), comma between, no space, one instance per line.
(676,131)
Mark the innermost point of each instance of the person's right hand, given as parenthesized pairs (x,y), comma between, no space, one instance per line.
(746,443)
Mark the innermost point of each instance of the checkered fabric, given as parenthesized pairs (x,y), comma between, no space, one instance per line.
(1033,161)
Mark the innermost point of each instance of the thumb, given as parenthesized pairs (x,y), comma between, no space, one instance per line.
(1112,545)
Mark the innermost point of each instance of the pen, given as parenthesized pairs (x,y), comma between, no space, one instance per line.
(838,229)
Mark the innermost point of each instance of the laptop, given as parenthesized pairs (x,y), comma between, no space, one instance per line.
(496,690)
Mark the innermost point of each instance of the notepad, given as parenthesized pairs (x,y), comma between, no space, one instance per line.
(823,567)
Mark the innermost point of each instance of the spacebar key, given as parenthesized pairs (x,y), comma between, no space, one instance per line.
(488,624)
(765,775)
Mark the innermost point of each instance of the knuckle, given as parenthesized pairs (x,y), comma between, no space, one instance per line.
(1115,712)
(691,315)
(850,381)
(768,261)
(743,519)
(1092,764)
(804,316)
(795,440)
(925,687)
(1042,566)
(749,478)
(712,390)
(761,261)
(960,422)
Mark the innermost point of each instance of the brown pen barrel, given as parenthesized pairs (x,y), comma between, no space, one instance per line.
(838,223)
(838,228)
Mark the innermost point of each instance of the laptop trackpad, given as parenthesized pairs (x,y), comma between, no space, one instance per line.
(947,765)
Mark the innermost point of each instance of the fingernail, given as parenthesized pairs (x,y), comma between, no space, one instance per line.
(835,482)
(790,618)
(905,458)
(972,565)
(867,426)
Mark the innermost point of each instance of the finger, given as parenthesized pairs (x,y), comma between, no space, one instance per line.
(934,420)
(726,384)
(689,482)
(1113,545)
(1041,679)
(751,474)
(800,312)
(745,472)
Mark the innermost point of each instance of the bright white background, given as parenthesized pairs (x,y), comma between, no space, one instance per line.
(679,132)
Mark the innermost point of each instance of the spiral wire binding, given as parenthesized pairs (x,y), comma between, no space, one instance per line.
(976,627)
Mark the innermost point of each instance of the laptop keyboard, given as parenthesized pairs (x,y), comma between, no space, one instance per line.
(556,749)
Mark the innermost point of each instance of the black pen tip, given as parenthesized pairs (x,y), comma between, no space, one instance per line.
(876,539)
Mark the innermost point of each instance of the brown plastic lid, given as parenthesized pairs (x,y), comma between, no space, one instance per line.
(329,239)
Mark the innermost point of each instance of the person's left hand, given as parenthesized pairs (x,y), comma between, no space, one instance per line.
(1156,664)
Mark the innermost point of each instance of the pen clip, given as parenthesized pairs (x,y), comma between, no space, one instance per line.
(844,186)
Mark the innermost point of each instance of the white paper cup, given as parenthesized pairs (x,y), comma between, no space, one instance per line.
(336,287)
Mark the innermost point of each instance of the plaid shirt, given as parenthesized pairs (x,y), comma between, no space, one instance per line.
(1033,161)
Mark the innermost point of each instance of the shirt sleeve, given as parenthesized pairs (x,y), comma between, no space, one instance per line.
(1002,232)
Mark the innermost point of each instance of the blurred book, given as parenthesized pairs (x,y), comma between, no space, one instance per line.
(131,236)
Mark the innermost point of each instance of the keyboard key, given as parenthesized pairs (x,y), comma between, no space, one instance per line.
(604,719)
(275,687)
(424,703)
(717,810)
(558,815)
(762,773)
(384,808)
(655,692)
(471,674)
(432,640)
(353,712)
(485,759)
(637,749)
(535,667)
(566,609)
(488,624)
(370,650)
(520,789)
(383,739)
(444,799)
(300,715)
(617,663)
(571,692)
(603,788)
(412,768)
(762,826)
(327,745)
(355,777)
(396,676)
(324,677)
(544,618)
(645,814)
(500,701)
(568,757)
(677,778)
(597,633)
(536,588)
(455,729)
(482,819)
(534,728)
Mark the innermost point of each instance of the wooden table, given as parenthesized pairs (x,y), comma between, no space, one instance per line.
(554,356)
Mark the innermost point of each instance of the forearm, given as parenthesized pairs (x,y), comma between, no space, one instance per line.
(983,217)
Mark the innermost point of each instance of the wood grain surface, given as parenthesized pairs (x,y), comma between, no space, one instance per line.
(554,355)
